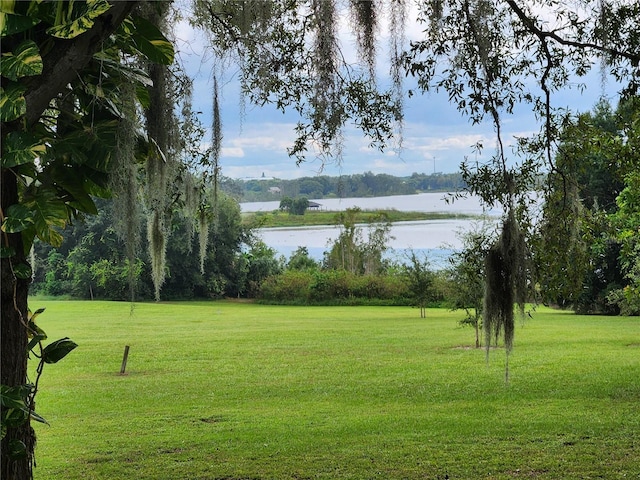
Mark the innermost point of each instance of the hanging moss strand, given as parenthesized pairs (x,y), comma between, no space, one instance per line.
(505,284)
(124,184)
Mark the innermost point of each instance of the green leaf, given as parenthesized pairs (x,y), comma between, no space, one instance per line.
(12,102)
(73,182)
(92,146)
(18,218)
(7,252)
(11,24)
(34,341)
(25,61)
(23,271)
(38,418)
(16,17)
(57,350)
(21,148)
(19,7)
(35,330)
(150,41)
(14,411)
(17,449)
(49,213)
(13,397)
(79,24)
(35,333)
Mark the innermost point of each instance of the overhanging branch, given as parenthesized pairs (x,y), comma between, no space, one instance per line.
(531,25)
(61,64)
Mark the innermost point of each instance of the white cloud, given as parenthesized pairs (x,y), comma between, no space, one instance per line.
(233,152)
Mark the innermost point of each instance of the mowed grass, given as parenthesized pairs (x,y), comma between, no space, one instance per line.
(224,390)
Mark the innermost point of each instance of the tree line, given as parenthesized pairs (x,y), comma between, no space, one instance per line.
(365,184)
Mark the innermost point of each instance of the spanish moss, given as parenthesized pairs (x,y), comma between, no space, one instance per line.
(325,63)
(156,234)
(216,140)
(397,22)
(204,213)
(364,19)
(161,127)
(203,236)
(191,202)
(505,285)
(124,184)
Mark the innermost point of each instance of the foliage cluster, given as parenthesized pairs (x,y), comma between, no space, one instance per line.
(294,206)
(17,402)
(335,287)
(587,246)
(91,264)
(91,261)
(275,218)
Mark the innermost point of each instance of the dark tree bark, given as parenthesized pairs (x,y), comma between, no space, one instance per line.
(13,335)
(60,67)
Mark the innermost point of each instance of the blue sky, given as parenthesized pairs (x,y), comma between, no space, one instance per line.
(436,137)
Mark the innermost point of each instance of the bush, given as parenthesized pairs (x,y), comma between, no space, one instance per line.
(291,285)
(334,287)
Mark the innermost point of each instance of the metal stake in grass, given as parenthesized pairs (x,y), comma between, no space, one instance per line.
(124,360)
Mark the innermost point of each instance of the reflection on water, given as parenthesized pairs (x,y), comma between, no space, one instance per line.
(435,238)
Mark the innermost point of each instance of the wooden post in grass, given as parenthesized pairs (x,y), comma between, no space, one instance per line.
(124,359)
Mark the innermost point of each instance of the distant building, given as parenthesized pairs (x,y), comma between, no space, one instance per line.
(314,205)
(275,190)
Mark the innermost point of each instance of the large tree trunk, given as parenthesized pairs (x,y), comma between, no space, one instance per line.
(13,335)
(61,65)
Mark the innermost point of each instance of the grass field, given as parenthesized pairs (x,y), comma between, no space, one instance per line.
(225,390)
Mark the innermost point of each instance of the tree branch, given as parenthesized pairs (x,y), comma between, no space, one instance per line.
(61,64)
(530,24)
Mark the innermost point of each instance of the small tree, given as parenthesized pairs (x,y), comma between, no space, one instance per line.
(300,260)
(420,279)
(467,276)
(344,252)
(286,204)
(295,206)
(299,206)
(351,252)
(377,243)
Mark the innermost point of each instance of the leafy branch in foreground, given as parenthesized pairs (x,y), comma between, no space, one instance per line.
(18,401)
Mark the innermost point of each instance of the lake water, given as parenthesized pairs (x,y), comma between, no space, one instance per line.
(435,238)
(421,202)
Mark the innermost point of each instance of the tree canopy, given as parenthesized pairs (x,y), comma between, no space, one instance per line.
(89,95)
(93,105)
(492,56)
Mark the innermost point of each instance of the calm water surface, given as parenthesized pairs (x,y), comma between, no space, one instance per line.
(436,238)
(421,202)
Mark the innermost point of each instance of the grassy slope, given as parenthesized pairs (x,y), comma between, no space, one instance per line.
(229,390)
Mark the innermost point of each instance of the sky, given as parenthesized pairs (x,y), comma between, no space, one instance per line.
(436,137)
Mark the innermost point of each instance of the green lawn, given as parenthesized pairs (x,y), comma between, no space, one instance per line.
(226,390)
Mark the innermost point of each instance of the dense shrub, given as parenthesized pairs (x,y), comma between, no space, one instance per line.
(387,287)
(289,286)
(331,284)
(334,287)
